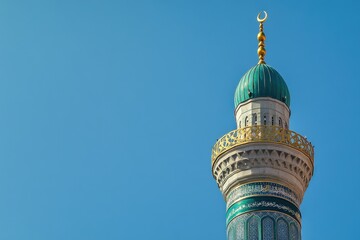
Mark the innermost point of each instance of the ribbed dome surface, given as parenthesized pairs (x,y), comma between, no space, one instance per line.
(262,81)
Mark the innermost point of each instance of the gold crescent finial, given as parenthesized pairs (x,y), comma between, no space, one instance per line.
(264,19)
(261,37)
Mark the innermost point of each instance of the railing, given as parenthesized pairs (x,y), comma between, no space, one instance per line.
(262,133)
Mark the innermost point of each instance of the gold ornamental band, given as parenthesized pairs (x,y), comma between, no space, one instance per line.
(262,134)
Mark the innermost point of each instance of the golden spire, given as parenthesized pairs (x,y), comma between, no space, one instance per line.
(261,37)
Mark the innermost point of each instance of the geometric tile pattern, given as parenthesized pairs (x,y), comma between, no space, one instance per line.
(294,233)
(263,225)
(253,226)
(268,231)
(283,230)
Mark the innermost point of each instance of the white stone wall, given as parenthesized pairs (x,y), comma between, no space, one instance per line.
(262,111)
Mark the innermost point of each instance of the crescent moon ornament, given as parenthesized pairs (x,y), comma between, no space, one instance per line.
(261,37)
(261,20)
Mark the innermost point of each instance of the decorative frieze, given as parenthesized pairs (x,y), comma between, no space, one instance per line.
(261,189)
(262,204)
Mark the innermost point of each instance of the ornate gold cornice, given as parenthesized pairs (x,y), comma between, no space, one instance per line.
(262,134)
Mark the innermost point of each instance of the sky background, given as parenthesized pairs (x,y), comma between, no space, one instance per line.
(109,110)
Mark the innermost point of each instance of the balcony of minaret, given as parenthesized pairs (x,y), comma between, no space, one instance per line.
(263,152)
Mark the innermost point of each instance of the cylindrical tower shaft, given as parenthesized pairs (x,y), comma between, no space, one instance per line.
(262,168)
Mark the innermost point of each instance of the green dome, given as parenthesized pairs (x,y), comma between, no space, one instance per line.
(262,81)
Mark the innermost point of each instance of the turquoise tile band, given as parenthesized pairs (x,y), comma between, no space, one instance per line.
(262,203)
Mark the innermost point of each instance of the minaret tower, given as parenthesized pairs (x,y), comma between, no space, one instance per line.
(262,168)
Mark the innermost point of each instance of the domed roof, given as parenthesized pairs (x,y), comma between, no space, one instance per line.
(262,81)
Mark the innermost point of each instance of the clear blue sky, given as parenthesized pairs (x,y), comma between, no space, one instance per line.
(109,110)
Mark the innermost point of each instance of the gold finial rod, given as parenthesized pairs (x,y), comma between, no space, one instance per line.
(261,37)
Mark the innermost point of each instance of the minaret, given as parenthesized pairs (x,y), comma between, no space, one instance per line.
(262,168)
